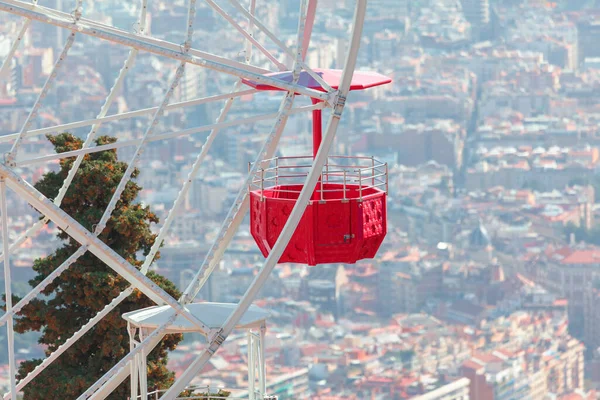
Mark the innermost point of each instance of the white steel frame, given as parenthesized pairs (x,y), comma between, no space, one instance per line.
(136,42)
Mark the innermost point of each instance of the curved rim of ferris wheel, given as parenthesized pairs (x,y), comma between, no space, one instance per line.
(78,25)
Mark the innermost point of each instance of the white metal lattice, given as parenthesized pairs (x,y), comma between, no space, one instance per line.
(78,26)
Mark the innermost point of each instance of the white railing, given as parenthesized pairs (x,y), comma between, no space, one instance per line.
(341,176)
(205,393)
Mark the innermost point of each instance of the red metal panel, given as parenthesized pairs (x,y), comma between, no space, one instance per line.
(332,223)
(257,223)
(330,232)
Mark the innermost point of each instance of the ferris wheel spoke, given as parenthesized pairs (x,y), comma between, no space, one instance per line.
(250,31)
(10,156)
(230,225)
(127,115)
(238,210)
(114,378)
(310,21)
(118,375)
(293,220)
(159,47)
(7,288)
(188,182)
(164,136)
(240,206)
(163,48)
(72,340)
(247,35)
(13,49)
(282,46)
(132,165)
(84,237)
(116,87)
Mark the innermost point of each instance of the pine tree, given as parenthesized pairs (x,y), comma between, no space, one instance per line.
(88,285)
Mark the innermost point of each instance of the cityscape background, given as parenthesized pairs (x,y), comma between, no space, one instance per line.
(487,286)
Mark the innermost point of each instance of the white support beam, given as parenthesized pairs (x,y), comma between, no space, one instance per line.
(73,339)
(117,374)
(126,115)
(250,31)
(10,157)
(65,20)
(275,39)
(155,46)
(238,210)
(246,34)
(13,49)
(241,204)
(251,367)
(121,375)
(310,22)
(303,199)
(12,368)
(41,286)
(262,362)
(188,182)
(121,368)
(163,136)
(95,245)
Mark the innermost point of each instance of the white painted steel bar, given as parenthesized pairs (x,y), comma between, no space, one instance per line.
(58,199)
(120,375)
(217,250)
(251,367)
(163,136)
(157,115)
(131,166)
(152,339)
(92,133)
(65,20)
(133,365)
(47,281)
(118,83)
(11,53)
(236,215)
(95,245)
(12,368)
(303,199)
(262,362)
(158,47)
(250,31)
(239,208)
(76,336)
(126,115)
(247,35)
(188,182)
(158,240)
(9,157)
(310,21)
(241,202)
(42,285)
(282,45)
(217,339)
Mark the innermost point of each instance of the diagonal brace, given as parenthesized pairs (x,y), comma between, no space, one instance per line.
(95,245)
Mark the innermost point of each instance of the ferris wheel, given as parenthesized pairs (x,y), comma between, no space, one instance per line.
(310,209)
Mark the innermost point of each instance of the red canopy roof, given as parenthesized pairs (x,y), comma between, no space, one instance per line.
(360,80)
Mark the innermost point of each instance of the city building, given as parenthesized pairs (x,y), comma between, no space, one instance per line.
(458,390)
